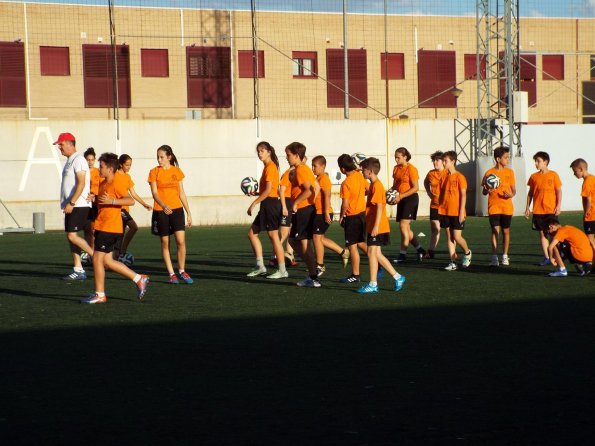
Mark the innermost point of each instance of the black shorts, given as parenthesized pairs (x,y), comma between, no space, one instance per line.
(451,222)
(434,214)
(320,225)
(407,208)
(589,227)
(286,219)
(379,240)
(501,220)
(538,220)
(107,241)
(566,253)
(165,225)
(302,223)
(77,219)
(94,211)
(269,215)
(355,229)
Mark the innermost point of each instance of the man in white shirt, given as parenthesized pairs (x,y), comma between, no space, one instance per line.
(73,201)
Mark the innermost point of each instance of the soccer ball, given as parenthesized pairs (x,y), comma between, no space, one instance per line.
(127,258)
(358,158)
(249,186)
(492,181)
(391,196)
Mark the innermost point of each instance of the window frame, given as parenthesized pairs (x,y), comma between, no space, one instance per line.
(297,59)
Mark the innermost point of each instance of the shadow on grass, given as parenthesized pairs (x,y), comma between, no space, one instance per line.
(487,374)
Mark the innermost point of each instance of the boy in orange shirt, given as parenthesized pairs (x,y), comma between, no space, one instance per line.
(353,213)
(112,195)
(377,228)
(545,190)
(453,199)
(580,169)
(324,217)
(568,243)
(500,207)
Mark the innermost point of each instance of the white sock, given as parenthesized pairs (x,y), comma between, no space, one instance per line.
(373,284)
(79,270)
(397,276)
(136,278)
(180,271)
(100,293)
(282,268)
(259,262)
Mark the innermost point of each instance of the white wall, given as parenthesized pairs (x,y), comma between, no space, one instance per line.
(216,154)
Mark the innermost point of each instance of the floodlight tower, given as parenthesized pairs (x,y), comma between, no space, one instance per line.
(498,64)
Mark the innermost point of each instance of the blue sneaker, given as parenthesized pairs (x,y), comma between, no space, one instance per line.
(74,275)
(380,273)
(367,289)
(399,283)
(544,262)
(186,277)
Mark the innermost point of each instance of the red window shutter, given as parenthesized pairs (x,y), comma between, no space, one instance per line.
(436,73)
(471,66)
(208,71)
(12,75)
(528,76)
(394,64)
(154,62)
(54,60)
(98,73)
(358,78)
(246,63)
(553,67)
(588,96)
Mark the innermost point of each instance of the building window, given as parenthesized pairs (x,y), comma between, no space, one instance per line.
(528,77)
(553,67)
(12,75)
(247,63)
(392,64)
(436,74)
(588,102)
(100,75)
(154,62)
(54,60)
(471,66)
(592,67)
(208,71)
(357,68)
(305,64)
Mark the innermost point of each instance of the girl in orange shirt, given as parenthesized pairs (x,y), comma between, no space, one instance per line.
(269,214)
(168,210)
(406,182)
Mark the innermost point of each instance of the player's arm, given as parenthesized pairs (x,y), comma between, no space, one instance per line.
(261,197)
(558,207)
(315,188)
(484,186)
(306,192)
(78,190)
(326,204)
(283,202)
(184,200)
(344,207)
(428,187)
(529,199)
(586,204)
(550,251)
(463,203)
(137,197)
(379,208)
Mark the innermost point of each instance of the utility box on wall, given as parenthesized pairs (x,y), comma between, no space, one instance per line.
(520,107)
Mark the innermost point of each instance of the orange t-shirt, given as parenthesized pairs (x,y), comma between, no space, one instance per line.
(588,190)
(497,203)
(302,174)
(94,180)
(325,184)
(376,202)
(286,183)
(542,187)
(435,178)
(580,247)
(450,194)
(354,189)
(270,174)
(168,186)
(130,185)
(109,218)
(404,177)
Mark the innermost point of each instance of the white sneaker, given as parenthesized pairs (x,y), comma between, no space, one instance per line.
(559,273)
(278,275)
(494,261)
(308,282)
(257,272)
(466,260)
(505,260)
(452,266)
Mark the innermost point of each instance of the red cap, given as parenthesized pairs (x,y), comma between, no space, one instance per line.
(65,137)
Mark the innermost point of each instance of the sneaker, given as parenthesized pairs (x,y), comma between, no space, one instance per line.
(94,299)
(494,261)
(401,259)
(452,266)
(367,288)
(559,273)
(257,272)
(345,258)
(173,280)
(421,254)
(587,267)
(308,282)
(380,273)
(186,278)
(505,260)
(350,279)
(74,275)
(278,275)
(399,283)
(273,262)
(320,269)
(466,260)
(141,286)
(544,262)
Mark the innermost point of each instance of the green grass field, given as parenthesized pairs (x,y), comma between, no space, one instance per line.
(485,355)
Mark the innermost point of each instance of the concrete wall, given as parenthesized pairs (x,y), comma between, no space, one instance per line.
(216,154)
